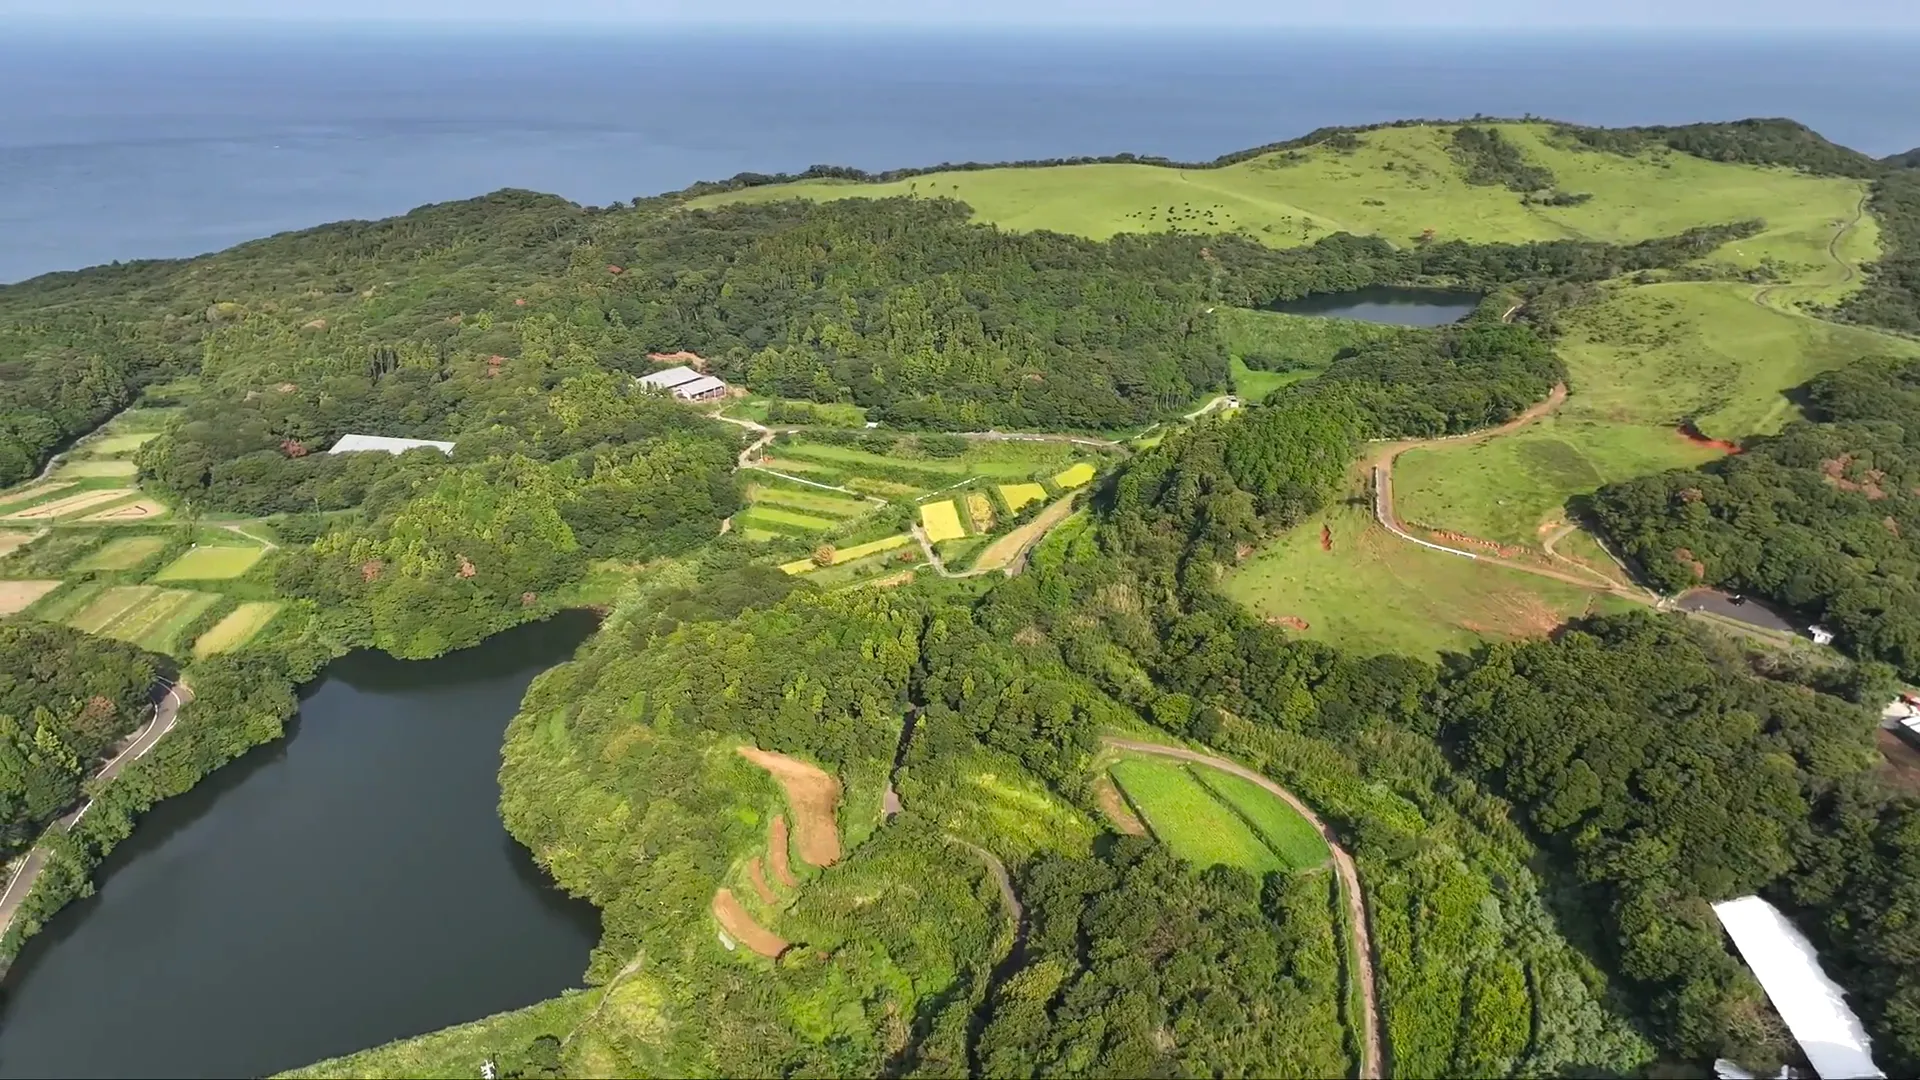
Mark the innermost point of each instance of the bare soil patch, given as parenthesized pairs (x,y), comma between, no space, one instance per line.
(1291,622)
(34,492)
(1902,764)
(813,796)
(12,540)
(138,510)
(758,879)
(740,926)
(18,596)
(777,852)
(1116,808)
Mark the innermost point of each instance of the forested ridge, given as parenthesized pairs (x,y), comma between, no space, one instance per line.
(1540,827)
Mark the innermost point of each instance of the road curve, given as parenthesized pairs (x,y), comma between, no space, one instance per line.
(1343,866)
(164,717)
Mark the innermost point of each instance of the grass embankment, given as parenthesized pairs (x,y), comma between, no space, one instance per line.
(1341,578)
(1210,818)
(1397,184)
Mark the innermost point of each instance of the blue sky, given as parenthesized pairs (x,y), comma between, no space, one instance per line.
(1758,15)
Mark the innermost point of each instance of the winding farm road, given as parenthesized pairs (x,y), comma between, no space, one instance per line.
(1343,866)
(21,885)
(1848,272)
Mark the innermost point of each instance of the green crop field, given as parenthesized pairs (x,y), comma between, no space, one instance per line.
(91,467)
(1291,836)
(210,563)
(815,502)
(123,554)
(142,614)
(1400,182)
(120,443)
(775,518)
(1374,592)
(236,629)
(848,554)
(1186,817)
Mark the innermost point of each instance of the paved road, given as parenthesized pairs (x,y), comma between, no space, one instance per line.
(1343,866)
(21,886)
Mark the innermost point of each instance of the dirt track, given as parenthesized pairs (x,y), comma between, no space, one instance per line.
(1371,1053)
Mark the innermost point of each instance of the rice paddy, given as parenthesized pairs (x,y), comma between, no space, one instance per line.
(1073,477)
(210,563)
(144,615)
(941,521)
(1019,495)
(1185,814)
(845,555)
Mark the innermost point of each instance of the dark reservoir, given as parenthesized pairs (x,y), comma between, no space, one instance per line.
(1387,304)
(346,886)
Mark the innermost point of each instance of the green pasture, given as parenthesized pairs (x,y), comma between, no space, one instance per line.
(1398,184)
(1374,592)
(1184,815)
(125,553)
(210,563)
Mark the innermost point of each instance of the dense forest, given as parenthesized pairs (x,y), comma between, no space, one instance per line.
(66,700)
(1823,517)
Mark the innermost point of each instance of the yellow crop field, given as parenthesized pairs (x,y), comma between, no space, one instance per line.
(980,509)
(1019,495)
(238,628)
(942,520)
(1074,477)
(848,554)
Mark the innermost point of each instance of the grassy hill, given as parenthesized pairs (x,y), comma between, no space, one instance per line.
(1397,183)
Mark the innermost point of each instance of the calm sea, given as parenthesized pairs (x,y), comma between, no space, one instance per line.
(174,143)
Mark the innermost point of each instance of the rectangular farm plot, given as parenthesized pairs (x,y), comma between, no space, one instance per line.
(1291,836)
(137,510)
(1187,818)
(19,499)
(121,444)
(210,563)
(941,520)
(18,596)
(239,627)
(71,504)
(123,554)
(1076,476)
(12,540)
(808,502)
(99,467)
(1019,495)
(781,520)
(142,614)
(849,554)
(980,510)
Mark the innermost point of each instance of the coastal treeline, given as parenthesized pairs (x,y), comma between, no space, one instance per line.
(1823,518)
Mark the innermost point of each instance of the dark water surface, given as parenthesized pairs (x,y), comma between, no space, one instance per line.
(134,141)
(348,885)
(1387,304)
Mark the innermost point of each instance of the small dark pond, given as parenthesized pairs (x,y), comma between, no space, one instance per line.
(346,886)
(1386,304)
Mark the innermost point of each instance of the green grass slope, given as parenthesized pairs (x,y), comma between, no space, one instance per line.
(1397,184)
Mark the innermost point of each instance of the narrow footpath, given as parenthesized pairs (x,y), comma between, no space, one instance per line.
(1343,865)
(21,885)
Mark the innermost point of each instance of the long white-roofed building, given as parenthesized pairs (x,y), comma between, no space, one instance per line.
(685,384)
(1812,1004)
(355,444)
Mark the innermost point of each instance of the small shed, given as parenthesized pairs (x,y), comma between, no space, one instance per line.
(1820,635)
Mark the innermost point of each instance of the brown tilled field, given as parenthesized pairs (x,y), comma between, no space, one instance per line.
(138,510)
(740,926)
(758,879)
(813,796)
(777,852)
(69,504)
(17,596)
(1116,808)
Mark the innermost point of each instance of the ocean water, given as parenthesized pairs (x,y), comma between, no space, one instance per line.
(174,142)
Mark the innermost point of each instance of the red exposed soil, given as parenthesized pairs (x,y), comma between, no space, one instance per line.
(1291,622)
(1116,809)
(692,360)
(740,926)
(813,796)
(1326,537)
(1505,551)
(1692,434)
(777,852)
(758,879)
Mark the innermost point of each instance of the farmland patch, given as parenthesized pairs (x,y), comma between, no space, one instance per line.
(941,520)
(1019,495)
(210,563)
(18,596)
(236,629)
(814,798)
(125,553)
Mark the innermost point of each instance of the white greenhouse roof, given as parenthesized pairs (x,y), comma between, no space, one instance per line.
(349,444)
(705,384)
(670,378)
(1814,1007)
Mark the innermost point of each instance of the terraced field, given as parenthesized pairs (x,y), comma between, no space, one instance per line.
(125,553)
(1210,818)
(208,563)
(145,615)
(239,627)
